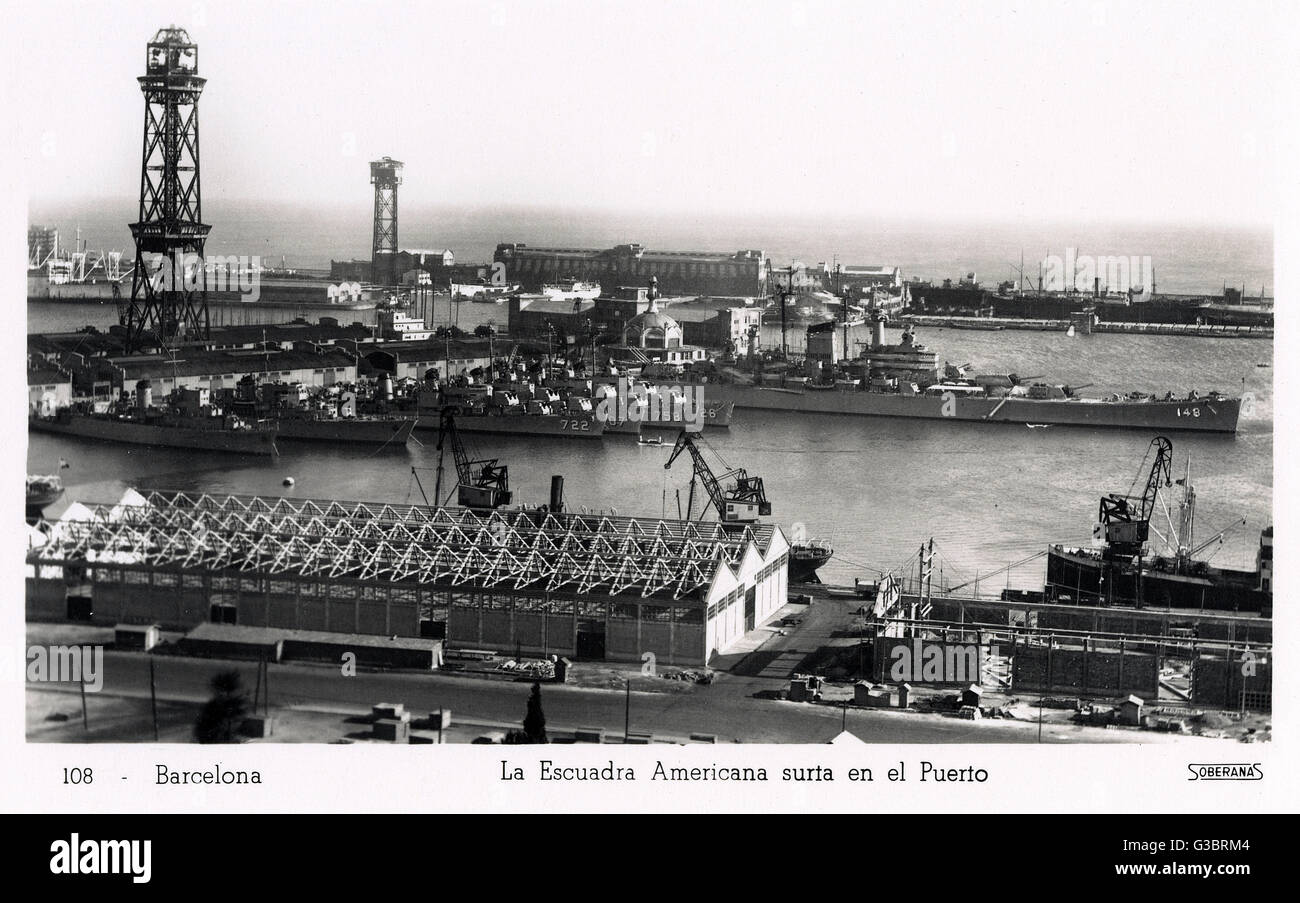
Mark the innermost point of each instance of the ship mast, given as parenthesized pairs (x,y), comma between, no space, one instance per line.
(1186,517)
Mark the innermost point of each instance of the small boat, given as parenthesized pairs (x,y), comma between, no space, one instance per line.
(1038,426)
(42,490)
(649,440)
(806,557)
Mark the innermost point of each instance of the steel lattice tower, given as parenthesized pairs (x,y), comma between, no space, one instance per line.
(385,175)
(165,305)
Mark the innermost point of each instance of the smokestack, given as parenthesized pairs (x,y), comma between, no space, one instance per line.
(557,493)
(1096,286)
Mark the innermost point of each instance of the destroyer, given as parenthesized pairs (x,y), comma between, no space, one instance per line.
(187,420)
(330,415)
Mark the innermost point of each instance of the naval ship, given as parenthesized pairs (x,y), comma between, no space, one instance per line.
(161,428)
(905,380)
(327,415)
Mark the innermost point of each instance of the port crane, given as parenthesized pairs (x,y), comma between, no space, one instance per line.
(1125,520)
(743,502)
(480,483)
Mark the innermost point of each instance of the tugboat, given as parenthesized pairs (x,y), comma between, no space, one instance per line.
(1120,570)
(43,490)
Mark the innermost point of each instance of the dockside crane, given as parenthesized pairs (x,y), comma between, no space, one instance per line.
(481,483)
(1124,521)
(742,502)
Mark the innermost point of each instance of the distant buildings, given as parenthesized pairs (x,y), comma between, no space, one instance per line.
(66,366)
(48,389)
(678,272)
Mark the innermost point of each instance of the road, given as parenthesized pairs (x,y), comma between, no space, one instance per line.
(725,709)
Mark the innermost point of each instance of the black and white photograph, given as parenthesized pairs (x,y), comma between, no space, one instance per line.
(812,393)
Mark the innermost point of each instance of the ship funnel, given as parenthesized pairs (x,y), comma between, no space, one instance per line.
(878,332)
(557,493)
(144,395)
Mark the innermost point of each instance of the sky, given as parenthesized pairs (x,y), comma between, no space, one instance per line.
(1087,110)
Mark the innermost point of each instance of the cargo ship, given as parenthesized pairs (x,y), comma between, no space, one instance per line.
(572,289)
(905,380)
(87,276)
(1120,569)
(806,556)
(1014,300)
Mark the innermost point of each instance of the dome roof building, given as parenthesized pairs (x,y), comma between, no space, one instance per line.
(653,329)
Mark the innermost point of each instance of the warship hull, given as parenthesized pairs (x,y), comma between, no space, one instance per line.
(1216,415)
(159,435)
(567,426)
(366,431)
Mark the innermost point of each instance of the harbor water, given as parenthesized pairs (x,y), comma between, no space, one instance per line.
(989,494)
(876,488)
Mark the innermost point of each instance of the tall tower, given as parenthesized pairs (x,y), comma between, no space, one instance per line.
(385,175)
(171,302)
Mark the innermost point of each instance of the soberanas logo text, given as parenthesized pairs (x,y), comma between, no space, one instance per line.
(102,857)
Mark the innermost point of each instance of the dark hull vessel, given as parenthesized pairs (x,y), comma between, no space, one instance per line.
(1214,415)
(805,559)
(1081,577)
(1122,572)
(568,426)
(376,430)
(191,433)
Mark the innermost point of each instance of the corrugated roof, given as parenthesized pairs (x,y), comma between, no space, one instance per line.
(531,551)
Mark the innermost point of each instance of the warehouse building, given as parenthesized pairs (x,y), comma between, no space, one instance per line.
(678,272)
(591,587)
(47,390)
(319,366)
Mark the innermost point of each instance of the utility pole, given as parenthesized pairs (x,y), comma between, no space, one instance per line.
(844,307)
(153,699)
(257,688)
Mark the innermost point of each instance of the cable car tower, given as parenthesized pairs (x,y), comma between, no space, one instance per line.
(385,175)
(171,302)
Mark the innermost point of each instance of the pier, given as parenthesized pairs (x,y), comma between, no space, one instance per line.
(1174,329)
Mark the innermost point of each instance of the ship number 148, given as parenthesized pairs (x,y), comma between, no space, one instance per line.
(1188,412)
